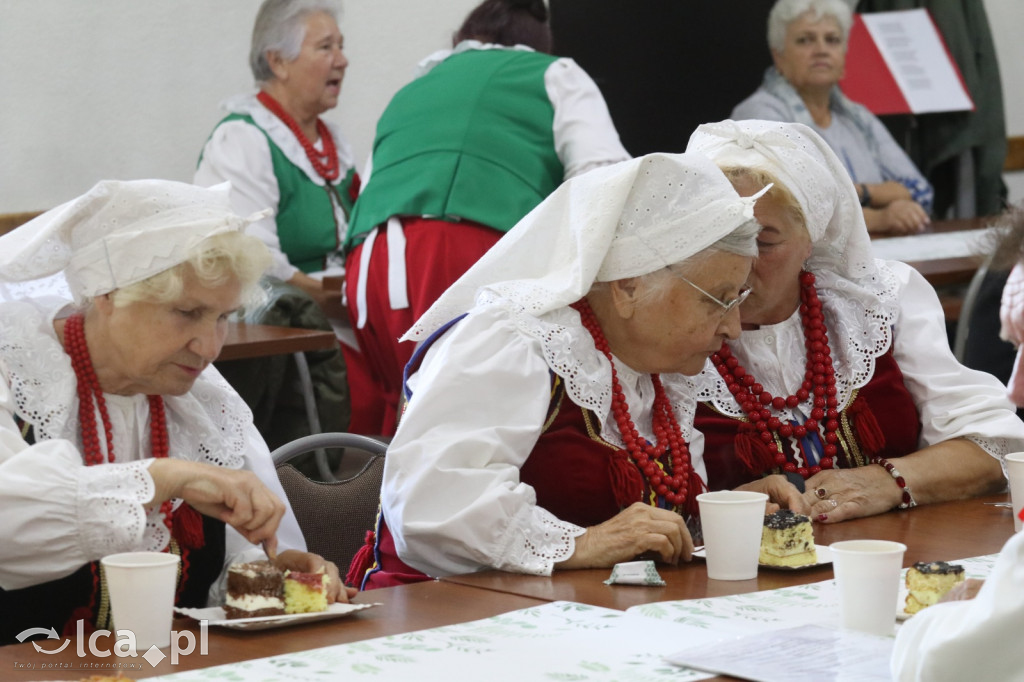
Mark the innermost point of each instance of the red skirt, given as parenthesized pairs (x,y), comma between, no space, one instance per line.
(436,254)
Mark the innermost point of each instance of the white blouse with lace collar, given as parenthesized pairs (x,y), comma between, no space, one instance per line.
(452,494)
(61,514)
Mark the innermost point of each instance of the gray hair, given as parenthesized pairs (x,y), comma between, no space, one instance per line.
(784,12)
(281,27)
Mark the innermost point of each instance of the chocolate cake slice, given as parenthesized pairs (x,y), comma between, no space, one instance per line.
(254,589)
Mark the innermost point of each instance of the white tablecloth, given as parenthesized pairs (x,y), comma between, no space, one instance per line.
(560,641)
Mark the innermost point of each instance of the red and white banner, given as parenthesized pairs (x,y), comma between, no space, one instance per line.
(897,63)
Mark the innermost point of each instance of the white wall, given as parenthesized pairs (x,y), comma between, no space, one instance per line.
(1006,17)
(95,89)
(127,89)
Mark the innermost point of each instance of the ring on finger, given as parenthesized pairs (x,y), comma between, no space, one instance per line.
(834,503)
(821,493)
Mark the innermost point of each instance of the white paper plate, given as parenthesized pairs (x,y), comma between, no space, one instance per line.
(214,615)
(823,552)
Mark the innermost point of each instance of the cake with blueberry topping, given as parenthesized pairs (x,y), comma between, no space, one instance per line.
(787,540)
(928,582)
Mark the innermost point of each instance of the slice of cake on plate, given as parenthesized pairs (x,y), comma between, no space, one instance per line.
(928,582)
(787,540)
(305,592)
(254,589)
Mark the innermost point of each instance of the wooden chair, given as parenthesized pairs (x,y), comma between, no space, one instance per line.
(334,516)
(967,308)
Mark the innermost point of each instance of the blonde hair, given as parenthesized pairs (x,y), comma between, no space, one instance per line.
(758,179)
(213,262)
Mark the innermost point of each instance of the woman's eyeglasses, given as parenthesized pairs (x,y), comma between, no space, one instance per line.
(725,305)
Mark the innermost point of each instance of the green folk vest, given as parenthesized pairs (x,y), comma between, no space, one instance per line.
(472,139)
(306,224)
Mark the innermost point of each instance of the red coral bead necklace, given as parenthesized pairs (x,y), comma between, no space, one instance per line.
(90,398)
(325,162)
(672,486)
(819,381)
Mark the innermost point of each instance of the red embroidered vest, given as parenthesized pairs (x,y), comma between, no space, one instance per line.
(578,477)
(881,419)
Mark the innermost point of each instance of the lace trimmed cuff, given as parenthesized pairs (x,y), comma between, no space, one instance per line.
(540,540)
(110,512)
(998,448)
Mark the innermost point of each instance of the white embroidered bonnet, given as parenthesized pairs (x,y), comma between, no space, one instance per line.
(803,162)
(117,234)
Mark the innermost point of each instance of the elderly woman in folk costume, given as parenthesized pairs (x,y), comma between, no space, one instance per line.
(276,151)
(843,375)
(116,434)
(547,425)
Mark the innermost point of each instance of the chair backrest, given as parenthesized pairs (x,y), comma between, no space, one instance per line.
(334,516)
(967,308)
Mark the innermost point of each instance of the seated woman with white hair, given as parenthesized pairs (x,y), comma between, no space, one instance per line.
(546,425)
(808,41)
(116,433)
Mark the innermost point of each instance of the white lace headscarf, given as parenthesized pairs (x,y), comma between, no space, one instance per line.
(623,220)
(117,234)
(859,290)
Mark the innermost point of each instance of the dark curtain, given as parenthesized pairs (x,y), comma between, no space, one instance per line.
(665,66)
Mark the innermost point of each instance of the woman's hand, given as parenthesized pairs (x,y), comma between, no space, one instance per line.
(968,589)
(781,493)
(903,216)
(840,494)
(637,529)
(238,498)
(306,562)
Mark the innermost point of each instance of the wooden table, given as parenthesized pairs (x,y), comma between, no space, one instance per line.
(950,276)
(953,530)
(246,341)
(258,340)
(403,609)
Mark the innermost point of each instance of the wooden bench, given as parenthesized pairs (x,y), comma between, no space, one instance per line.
(9,221)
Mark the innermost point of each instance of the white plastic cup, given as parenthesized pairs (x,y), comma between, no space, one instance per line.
(868,582)
(1015,472)
(731,521)
(141,587)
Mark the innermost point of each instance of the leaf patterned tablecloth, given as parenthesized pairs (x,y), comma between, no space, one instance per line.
(742,614)
(556,642)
